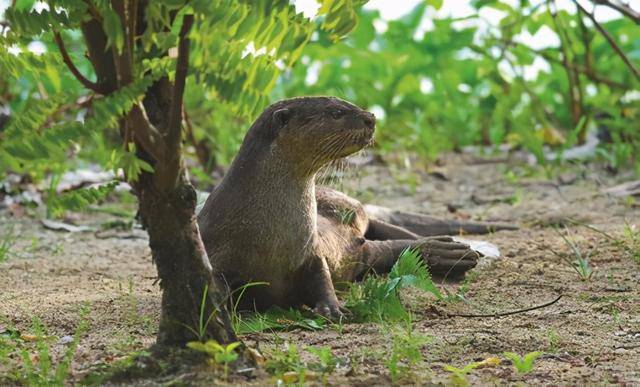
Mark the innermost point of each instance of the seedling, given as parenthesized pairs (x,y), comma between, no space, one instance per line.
(406,352)
(523,364)
(7,241)
(580,263)
(346,216)
(459,375)
(219,355)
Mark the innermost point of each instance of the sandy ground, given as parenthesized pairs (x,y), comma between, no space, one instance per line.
(591,335)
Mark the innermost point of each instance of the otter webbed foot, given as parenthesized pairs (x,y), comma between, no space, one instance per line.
(446,257)
(330,310)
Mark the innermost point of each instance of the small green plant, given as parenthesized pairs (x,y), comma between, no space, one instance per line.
(219,355)
(377,298)
(6,243)
(201,330)
(287,365)
(346,215)
(459,375)
(405,351)
(553,339)
(38,367)
(327,362)
(523,364)
(631,240)
(580,263)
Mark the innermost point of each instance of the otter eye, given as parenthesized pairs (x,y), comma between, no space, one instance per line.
(337,114)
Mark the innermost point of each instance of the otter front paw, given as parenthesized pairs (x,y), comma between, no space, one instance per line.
(445,257)
(330,310)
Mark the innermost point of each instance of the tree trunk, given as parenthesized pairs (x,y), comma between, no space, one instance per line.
(184,270)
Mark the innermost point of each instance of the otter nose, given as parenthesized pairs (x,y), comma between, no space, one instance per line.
(369,119)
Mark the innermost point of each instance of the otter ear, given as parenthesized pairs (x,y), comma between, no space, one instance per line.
(281,116)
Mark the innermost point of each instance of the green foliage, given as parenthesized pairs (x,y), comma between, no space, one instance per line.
(523,364)
(405,352)
(287,365)
(76,200)
(458,84)
(278,319)
(459,375)
(410,270)
(219,355)
(377,298)
(238,50)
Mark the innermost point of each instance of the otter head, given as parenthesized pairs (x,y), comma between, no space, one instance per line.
(309,132)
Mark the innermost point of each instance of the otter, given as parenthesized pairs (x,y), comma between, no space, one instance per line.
(267,221)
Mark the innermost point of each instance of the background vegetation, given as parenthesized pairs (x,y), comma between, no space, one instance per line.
(463,81)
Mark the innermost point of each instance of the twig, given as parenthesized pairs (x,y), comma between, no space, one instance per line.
(622,8)
(575,93)
(202,150)
(507,313)
(175,110)
(74,70)
(609,39)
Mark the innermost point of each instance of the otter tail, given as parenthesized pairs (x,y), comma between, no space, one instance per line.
(429,226)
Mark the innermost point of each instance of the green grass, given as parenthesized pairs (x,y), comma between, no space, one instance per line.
(6,243)
(580,263)
(31,358)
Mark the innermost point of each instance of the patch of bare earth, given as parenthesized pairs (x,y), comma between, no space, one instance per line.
(591,335)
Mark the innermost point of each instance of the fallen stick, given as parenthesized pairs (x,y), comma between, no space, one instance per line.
(507,313)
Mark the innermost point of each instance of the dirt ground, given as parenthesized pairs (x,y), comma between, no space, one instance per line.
(591,335)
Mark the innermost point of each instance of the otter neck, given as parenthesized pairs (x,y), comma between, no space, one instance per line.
(276,194)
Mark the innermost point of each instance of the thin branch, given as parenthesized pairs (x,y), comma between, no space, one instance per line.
(182,65)
(507,313)
(146,134)
(609,39)
(123,59)
(202,150)
(93,86)
(574,81)
(622,8)
(589,73)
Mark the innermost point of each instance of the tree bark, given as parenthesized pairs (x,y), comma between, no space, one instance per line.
(186,276)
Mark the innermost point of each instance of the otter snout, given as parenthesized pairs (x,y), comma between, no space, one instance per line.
(369,120)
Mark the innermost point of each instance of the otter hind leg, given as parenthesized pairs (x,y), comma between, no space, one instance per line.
(444,256)
(425,225)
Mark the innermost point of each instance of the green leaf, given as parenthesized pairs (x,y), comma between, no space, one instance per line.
(437,4)
(113,29)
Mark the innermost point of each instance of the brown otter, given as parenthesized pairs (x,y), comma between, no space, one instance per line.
(267,220)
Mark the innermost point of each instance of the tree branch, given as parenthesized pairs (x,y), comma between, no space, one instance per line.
(174,128)
(622,8)
(609,39)
(93,86)
(146,134)
(182,65)
(575,94)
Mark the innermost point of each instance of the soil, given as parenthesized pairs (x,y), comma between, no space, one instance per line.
(591,335)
